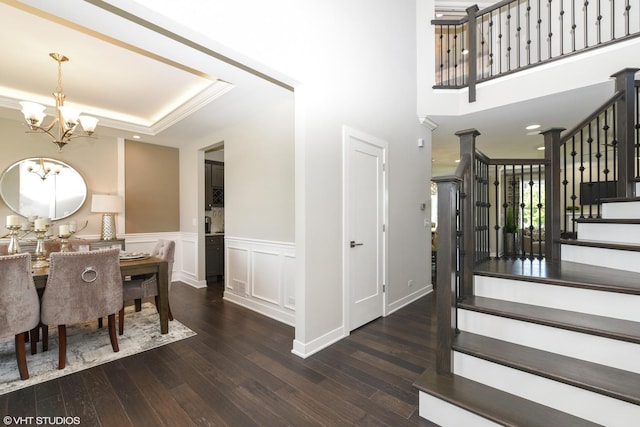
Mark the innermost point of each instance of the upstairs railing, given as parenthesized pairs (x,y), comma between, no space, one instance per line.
(523,208)
(516,34)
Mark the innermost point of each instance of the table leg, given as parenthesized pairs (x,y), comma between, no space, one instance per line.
(163,296)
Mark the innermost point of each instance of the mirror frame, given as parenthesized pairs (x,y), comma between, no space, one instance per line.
(48,160)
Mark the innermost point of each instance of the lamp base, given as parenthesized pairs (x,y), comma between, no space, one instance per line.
(108,227)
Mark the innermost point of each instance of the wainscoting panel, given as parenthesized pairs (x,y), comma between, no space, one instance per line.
(260,275)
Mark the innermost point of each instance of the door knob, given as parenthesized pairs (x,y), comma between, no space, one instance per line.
(353,244)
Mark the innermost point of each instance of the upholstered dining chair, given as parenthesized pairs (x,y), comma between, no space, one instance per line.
(82,286)
(140,287)
(19,305)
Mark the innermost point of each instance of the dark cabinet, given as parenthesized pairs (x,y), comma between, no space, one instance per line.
(213,184)
(214,249)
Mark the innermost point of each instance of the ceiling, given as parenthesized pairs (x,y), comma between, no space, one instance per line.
(170,91)
(133,90)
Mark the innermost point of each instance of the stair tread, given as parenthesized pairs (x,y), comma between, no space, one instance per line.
(496,405)
(564,273)
(619,329)
(612,382)
(600,244)
(607,220)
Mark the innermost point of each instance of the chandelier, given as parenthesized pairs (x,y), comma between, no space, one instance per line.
(43,169)
(66,118)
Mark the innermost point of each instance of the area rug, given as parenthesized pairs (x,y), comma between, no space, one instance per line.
(88,346)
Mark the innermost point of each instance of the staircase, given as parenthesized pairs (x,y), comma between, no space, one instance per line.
(549,344)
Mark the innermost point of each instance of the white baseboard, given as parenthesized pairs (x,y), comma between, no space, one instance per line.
(265,310)
(305,350)
(402,302)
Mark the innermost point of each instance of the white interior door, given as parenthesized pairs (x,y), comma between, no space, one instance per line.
(364,231)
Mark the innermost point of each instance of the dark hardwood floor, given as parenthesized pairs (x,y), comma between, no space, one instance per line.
(239,371)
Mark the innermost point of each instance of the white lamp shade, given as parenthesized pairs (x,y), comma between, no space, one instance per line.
(88,123)
(69,115)
(105,203)
(33,112)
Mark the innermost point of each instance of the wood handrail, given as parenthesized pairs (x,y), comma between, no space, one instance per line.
(619,94)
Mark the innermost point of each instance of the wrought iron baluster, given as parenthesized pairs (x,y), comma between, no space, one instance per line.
(540,205)
(627,20)
(561,38)
(455,54)
(509,36)
(518,35)
(496,227)
(539,31)
(448,55)
(573,25)
(528,16)
(491,42)
(500,41)
(590,157)
(586,23)
(599,22)
(549,32)
(441,54)
(581,166)
(598,156)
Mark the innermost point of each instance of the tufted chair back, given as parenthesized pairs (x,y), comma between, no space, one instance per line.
(82,286)
(165,249)
(19,303)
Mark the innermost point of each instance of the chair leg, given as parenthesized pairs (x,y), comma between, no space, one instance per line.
(45,337)
(100,322)
(62,346)
(121,321)
(168,306)
(21,356)
(138,303)
(33,340)
(112,333)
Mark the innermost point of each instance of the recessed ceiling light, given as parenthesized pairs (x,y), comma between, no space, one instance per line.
(439,15)
(458,161)
(532,127)
(136,136)
(541,148)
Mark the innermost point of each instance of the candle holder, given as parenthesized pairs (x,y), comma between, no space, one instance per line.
(14,245)
(64,242)
(40,253)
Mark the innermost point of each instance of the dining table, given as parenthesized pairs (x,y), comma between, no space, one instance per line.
(131,267)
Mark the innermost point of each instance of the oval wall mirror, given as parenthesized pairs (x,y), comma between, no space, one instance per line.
(43,187)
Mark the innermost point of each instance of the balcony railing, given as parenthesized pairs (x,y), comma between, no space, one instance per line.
(516,34)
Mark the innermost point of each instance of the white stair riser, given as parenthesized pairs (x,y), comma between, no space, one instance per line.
(614,233)
(447,415)
(608,304)
(603,257)
(605,351)
(621,210)
(573,400)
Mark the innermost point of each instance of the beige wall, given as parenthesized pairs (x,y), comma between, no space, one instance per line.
(151,188)
(95,159)
(151,176)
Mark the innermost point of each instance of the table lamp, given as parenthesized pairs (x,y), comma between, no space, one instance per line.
(108,206)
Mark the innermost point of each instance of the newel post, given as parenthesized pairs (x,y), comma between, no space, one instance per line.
(467,207)
(473,54)
(552,184)
(445,268)
(625,81)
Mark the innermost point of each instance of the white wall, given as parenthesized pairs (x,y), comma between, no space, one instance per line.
(356,65)
(352,63)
